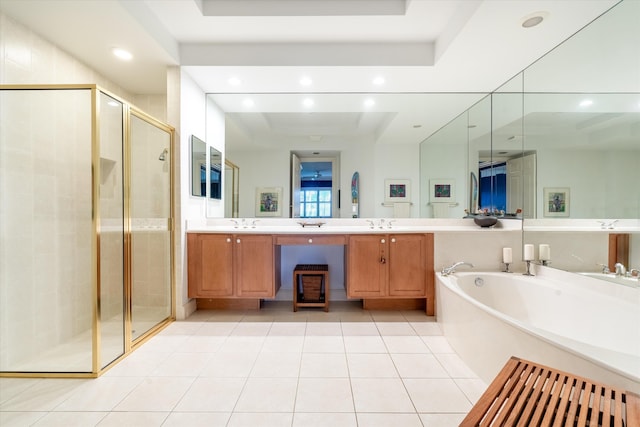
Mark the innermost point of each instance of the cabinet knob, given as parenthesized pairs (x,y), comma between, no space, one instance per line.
(393,240)
(237,240)
(382,240)
(310,240)
(383,260)
(228,239)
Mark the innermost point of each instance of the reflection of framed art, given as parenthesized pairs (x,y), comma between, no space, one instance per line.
(269,201)
(442,190)
(556,201)
(397,190)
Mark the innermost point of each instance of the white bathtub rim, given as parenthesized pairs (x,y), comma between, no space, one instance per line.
(535,332)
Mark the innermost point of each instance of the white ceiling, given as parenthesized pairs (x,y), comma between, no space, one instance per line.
(438,46)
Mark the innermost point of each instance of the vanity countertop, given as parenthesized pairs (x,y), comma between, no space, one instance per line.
(345,226)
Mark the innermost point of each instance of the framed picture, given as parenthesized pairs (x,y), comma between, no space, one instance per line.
(556,201)
(397,190)
(442,190)
(269,201)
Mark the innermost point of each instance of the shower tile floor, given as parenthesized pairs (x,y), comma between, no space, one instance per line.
(273,367)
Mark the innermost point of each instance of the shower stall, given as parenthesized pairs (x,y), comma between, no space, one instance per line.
(86,265)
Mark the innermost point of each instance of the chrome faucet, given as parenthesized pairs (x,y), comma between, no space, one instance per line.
(605,268)
(634,270)
(607,225)
(452,269)
(620,270)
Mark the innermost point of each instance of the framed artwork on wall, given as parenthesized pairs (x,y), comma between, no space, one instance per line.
(397,190)
(269,201)
(556,201)
(442,190)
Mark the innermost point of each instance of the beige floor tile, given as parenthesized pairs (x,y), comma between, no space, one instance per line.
(225,365)
(202,344)
(388,420)
(418,366)
(437,395)
(360,329)
(364,344)
(331,365)
(288,328)
(267,395)
(405,344)
(20,419)
(138,419)
(324,419)
(437,344)
(323,344)
(156,394)
(239,344)
(472,388)
(252,328)
(43,395)
(70,419)
(182,365)
(442,420)
(277,365)
(101,394)
(371,366)
(324,395)
(324,329)
(284,344)
(426,328)
(211,395)
(260,419)
(454,365)
(395,328)
(197,419)
(380,395)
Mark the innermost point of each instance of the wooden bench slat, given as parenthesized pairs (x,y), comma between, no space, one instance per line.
(529,394)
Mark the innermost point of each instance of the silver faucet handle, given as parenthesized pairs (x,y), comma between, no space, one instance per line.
(605,268)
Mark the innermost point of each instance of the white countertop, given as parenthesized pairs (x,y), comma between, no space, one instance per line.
(346,226)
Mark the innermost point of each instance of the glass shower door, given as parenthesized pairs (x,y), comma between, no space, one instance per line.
(150,211)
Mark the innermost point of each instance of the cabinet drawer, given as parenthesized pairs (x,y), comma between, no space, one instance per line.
(311,239)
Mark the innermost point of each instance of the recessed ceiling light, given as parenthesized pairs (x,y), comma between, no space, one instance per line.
(533,19)
(234,81)
(248,102)
(378,81)
(306,81)
(369,102)
(122,54)
(307,102)
(586,103)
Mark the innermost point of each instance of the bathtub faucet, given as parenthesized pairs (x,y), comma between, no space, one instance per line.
(620,270)
(452,269)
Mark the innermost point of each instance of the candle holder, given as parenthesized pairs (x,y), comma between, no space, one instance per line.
(506,268)
(528,272)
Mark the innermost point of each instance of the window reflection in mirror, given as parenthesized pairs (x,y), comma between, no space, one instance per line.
(215,174)
(198,167)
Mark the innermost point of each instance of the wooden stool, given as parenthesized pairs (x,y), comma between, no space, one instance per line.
(529,394)
(311,286)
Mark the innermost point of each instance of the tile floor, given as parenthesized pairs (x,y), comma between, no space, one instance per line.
(348,367)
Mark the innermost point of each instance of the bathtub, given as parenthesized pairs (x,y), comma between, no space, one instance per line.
(571,322)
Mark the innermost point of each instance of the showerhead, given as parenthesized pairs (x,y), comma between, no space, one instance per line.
(163,155)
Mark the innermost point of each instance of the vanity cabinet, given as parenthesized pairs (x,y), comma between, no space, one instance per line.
(231,266)
(389,265)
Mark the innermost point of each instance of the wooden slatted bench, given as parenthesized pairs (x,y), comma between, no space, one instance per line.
(527,394)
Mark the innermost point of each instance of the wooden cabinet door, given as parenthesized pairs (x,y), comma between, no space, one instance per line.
(407,265)
(210,266)
(254,266)
(367,266)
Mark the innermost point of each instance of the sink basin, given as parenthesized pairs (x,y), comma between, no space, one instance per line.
(485,221)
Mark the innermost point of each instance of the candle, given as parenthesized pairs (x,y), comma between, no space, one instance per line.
(528,252)
(507,255)
(544,252)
